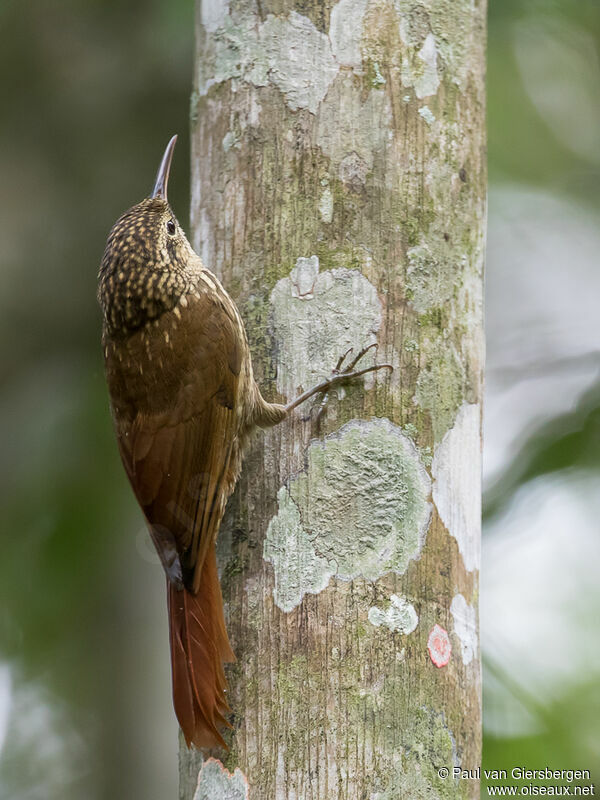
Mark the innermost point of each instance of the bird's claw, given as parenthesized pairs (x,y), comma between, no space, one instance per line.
(341,360)
(341,374)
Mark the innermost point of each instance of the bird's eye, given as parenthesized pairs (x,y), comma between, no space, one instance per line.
(171,227)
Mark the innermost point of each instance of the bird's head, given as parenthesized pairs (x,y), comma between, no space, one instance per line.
(143,269)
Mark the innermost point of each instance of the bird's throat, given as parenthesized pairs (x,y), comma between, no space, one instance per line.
(133,298)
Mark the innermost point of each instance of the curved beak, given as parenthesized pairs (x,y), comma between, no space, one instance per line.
(162,176)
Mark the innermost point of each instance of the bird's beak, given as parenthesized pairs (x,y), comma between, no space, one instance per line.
(162,176)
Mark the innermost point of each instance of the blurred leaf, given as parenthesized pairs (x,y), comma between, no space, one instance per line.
(571,440)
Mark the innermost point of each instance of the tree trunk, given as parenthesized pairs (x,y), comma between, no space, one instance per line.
(339,192)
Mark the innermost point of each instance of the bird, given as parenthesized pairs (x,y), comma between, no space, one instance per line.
(184,402)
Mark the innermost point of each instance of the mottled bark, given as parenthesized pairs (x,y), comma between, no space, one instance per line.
(339,192)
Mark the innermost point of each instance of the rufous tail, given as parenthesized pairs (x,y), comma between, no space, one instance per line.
(199,647)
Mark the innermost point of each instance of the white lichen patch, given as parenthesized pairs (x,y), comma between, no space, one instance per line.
(349,123)
(428,82)
(288,52)
(213,13)
(230,140)
(450,23)
(367,477)
(399,617)
(453,24)
(377,79)
(456,470)
(300,61)
(465,627)
(297,567)
(215,782)
(420,68)
(317,316)
(426,113)
(345,31)
(304,277)
(326,205)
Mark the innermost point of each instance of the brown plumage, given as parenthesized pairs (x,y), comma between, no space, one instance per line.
(184,400)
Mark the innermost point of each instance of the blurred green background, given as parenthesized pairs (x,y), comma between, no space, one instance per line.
(91,92)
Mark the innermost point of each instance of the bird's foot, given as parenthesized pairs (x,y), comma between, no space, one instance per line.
(343,374)
(340,375)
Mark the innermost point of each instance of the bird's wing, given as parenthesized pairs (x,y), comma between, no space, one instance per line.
(179,459)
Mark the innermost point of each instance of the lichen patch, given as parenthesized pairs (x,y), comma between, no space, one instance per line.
(345,31)
(350,123)
(326,205)
(297,567)
(317,316)
(399,617)
(465,627)
(303,278)
(300,61)
(368,476)
(424,760)
(440,385)
(213,13)
(420,68)
(288,52)
(456,470)
(450,24)
(426,278)
(215,782)
(426,113)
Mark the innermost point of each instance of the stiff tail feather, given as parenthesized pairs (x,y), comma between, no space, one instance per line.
(199,647)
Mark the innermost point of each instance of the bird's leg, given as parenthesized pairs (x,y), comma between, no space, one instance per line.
(325,398)
(322,407)
(340,375)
